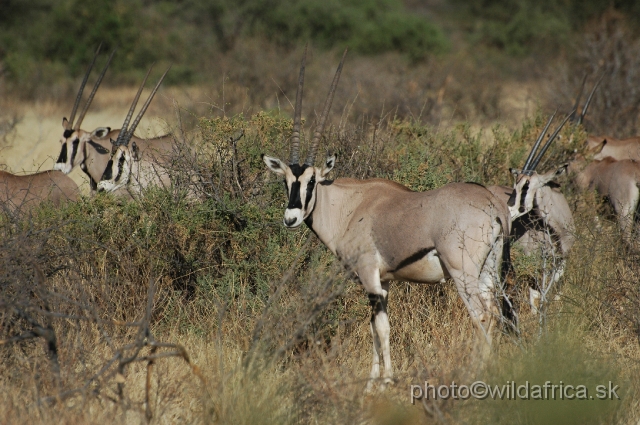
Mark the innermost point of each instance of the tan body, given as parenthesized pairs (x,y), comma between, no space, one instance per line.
(618,181)
(618,149)
(20,192)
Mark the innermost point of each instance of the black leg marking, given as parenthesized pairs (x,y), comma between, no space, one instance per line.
(376,303)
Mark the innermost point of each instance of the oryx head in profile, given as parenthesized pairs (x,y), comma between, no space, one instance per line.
(73,151)
(301,180)
(124,157)
(527,180)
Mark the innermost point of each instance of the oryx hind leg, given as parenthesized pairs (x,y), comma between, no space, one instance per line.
(477,285)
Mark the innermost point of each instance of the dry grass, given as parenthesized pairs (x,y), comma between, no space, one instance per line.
(277,331)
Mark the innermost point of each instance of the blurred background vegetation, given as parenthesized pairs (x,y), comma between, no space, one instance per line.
(47,40)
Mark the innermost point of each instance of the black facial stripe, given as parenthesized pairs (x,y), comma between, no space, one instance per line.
(298,169)
(63,154)
(413,258)
(74,150)
(67,133)
(120,166)
(107,171)
(310,187)
(523,196)
(101,149)
(512,199)
(294,196)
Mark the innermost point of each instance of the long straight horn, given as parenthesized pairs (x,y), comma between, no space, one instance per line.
(323,118)
(84,82)
(122,136)
(535,146)
(553,136)
(144,107)
(93,92)
(295,134)
(586,104)
(577,103)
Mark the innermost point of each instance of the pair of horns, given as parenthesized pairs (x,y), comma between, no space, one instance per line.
(317,134)
(587,103)
(125,132)
(531,164)
(93,92)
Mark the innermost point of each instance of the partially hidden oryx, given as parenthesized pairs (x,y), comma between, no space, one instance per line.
(383,231)
(90,150)
(619,183)
(136,166)
(607,146)
(23,192)
(548,226)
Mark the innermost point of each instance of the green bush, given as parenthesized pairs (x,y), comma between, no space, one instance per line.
(368,26)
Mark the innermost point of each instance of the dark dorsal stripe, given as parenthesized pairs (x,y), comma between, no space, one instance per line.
(417,256)
(63,154)
(477,184)
(101,149)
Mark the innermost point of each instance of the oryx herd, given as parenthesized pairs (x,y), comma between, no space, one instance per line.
(377,228)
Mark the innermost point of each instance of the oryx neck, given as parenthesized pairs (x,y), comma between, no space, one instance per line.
(335,203)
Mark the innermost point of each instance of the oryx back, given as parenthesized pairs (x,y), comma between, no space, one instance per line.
(22,192)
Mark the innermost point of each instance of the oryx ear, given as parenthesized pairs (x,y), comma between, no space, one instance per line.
(550,175)
(114,147)
(601,146)
(135,152)
(274,164)
(100,132)
(562,169)
(65,123)
(328,165)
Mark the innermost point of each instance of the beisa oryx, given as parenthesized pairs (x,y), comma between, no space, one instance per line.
(138,165)
(90,150)
(383,231)
(619,183)
(548,226)
(23,192)
(606,146)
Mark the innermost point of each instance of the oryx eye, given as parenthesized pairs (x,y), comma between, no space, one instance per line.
(312,181)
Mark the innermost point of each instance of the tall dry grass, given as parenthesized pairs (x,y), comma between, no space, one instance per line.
(273,329)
